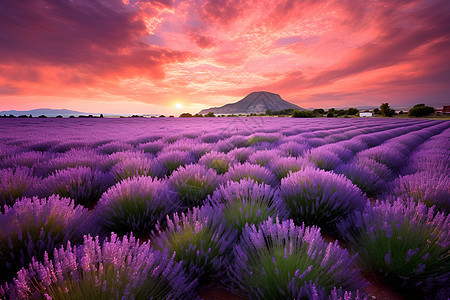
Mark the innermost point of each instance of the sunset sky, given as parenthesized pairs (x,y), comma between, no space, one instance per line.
(167,56)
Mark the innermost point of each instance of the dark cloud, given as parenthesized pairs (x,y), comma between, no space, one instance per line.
(9,90)
(96,36)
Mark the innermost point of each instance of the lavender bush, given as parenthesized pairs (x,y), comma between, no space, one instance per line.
(192,184)
(220,162)
(247,202)
(134,205)
(82,184)
(114,269)
(404,241)
(14,184)
(279,260)
(254,172)
(33,226)
(317,197)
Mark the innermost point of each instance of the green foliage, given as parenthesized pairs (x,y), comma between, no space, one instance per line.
(185,115)
(210,115)
(352,111)
(386,111)
(319,111)
(420,110)
(376,111)
(303,114)
(198,116)
(283,112)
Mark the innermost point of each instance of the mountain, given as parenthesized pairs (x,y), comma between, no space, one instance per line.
(45,111)
(256,102)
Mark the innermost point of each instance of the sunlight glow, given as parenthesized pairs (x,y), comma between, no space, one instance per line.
(178,105)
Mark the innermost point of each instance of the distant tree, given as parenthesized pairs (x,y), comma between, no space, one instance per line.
(11,116)
(340,112)
(30,116)
(171,116)
(58,116)
(101,115)
(162,116)
(23,116)
(420,110)
(330,115)
(185,115)
(319,111)
(352,111)
(303,114)
(210,115)
(376,111)
(198,116)
(386,110)
(72,117)
(331,110)
(401,112)
(42,116)
(269,112)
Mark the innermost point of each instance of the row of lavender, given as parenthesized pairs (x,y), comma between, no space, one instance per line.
(244,173)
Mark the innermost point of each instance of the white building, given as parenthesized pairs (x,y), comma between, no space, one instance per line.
(365,114)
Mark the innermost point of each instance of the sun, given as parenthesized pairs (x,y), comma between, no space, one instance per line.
(178,105)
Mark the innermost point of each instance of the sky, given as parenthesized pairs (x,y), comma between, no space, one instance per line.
(131,56)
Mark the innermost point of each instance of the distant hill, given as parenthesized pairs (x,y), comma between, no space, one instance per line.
(45,111)
(256,102)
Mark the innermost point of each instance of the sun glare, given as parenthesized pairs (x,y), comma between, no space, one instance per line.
(178,105)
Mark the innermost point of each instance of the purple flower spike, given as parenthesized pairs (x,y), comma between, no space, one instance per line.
(14,184)
(279,260)
(82,184)
(220,162)
(173,159)
(363,177)
(324,159)
(241,154)
(134,205)
(263,157)
(34,226)
(199,240)
(282,166)
(317,197)
(429,187)
(254,172)
(192,184)
(135,167)
(404,241)
(247,202)
(115,269)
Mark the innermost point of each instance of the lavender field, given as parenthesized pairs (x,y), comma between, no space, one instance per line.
(235,208)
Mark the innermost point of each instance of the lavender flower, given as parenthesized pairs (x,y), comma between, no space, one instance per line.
(262,137)
(363,177)
(282,166)
(254,172)
(392,158)
(199,240)
(137,166)
(174,159)
(193,183)
(82,184)
(247,202)
(241,154)
(317,197)
(14,184)
(114,147)
(153,147)
(33,226)
(429,187)
(279,260)
(324,159)
(404,241)
(263,157)
(220,162)
(114,269)
(134,205)
(294,149)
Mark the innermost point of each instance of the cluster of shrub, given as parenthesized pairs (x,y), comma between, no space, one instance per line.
(155,212)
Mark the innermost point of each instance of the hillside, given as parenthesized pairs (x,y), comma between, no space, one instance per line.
(256,102)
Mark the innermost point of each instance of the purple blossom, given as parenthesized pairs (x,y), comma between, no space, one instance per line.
(247,202)
(296,262)
(14,183)
(254,172)
(317,197)
(199,240)
(324,159)
(114,269)
(33,226)
(173,159)
(220,162)
(82,184)
(134,205)
(136,166)
(282,166)
(192,184)
(384,235)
